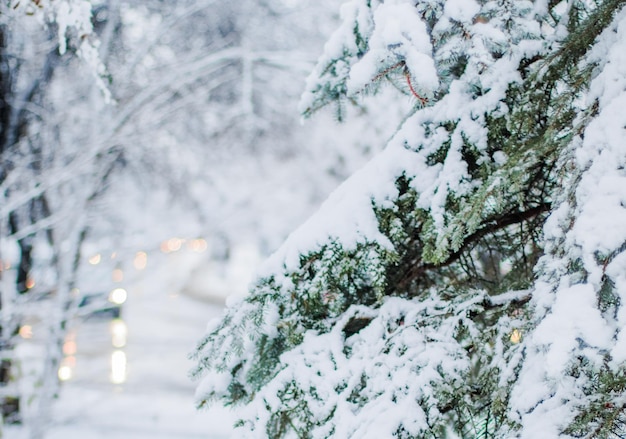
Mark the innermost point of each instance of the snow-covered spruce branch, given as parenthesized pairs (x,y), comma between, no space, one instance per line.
(490,226)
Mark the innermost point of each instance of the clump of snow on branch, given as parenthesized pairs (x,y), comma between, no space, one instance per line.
(73,24)
(399,37)
(369,398)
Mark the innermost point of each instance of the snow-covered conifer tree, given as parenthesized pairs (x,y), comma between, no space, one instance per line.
(469,281)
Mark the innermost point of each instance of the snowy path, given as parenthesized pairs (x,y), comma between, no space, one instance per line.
(156,398)
(139,390)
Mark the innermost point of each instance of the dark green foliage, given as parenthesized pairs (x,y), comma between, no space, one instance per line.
(605,416)
(296,417)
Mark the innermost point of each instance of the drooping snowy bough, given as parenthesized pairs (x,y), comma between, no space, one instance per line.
(468,281)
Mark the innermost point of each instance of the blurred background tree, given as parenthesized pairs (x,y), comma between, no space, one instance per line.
(127,122)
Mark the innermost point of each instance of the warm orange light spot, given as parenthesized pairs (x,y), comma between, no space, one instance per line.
(26,331)
(30,283)
(516,336)
(69,348)
(70,361)
(198,245)
(118,275)
(174,244)
(141,260)
(95,259)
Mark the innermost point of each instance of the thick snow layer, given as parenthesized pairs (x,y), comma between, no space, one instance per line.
(355,17)
(461,10)
(73,14)
(592,230)
(368,394)
(347,214)
(399,34)
(74,25)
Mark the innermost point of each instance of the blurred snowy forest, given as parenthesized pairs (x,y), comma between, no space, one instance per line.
(124,123)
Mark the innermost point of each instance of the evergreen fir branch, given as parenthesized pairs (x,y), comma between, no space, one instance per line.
(423,101)
(420,267)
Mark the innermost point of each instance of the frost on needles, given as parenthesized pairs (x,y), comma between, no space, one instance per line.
(468,282)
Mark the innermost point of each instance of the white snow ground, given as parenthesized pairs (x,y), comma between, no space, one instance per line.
(156,398)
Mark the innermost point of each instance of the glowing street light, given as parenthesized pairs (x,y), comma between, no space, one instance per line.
(118,296)
(66,370)
(119,332)
(65,373)
(118,367)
